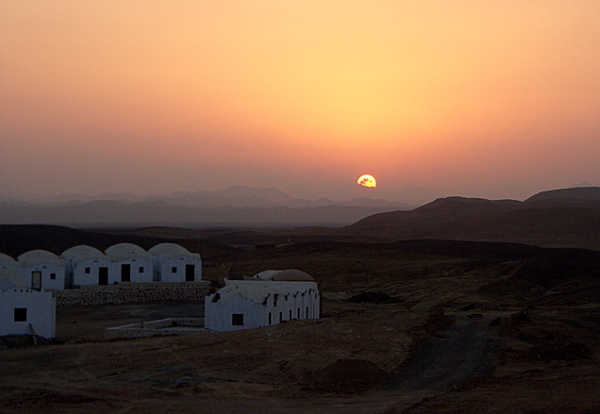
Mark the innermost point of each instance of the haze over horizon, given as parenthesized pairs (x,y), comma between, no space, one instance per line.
(478,99)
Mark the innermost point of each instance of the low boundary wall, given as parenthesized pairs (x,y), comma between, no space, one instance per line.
(163,327)
(124,293)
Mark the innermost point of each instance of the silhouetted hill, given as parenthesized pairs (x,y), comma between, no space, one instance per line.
(578,193)
(547,219)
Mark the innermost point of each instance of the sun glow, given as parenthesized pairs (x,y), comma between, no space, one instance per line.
(367,180)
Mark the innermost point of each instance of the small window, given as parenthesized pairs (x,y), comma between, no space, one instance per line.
(237,319)
(269,318)
(141,269)
(20,314)
(290,315)
(174,269)
(52,276)
(88,270)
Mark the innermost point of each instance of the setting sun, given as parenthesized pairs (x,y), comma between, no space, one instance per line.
(367,180)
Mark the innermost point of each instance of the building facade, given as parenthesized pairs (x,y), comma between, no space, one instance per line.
(43,270)
(87,266)
(251,304)
(174,263)
(26,311)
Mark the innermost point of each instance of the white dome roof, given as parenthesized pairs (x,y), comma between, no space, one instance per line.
(266,274)
(169,250)
(36,257)
(6,259)
(82,252)
(294,275)
(124,251)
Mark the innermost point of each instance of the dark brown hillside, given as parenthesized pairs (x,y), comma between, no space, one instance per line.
(546,222)
(18,239)
(432,220)
(578,193)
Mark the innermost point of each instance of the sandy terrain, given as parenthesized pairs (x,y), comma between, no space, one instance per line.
(534,350)
(288,368)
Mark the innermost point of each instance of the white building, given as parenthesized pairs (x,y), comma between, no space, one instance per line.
(252,304)
(11,273)
(43,269)
(27,311)
(129,263)
(174,263)
(86,265)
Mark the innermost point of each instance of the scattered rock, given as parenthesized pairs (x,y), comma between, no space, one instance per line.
(496,322)
(349,376)
(370,297)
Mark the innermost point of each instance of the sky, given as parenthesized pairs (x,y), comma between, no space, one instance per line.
(494,99)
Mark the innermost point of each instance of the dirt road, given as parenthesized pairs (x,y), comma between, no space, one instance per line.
(466,348)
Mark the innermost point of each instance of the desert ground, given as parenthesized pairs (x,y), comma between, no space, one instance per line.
(416,327)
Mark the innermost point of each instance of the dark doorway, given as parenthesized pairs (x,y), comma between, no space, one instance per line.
(103,275)
(189,273)
(125,273)
(36,280)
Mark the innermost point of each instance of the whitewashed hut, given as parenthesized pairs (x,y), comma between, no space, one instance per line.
(26,311)
(43,269)
(130,263)
(11,273)
(86,265)
(174,263)
(247,304)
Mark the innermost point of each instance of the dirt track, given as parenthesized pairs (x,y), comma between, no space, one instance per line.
(466,348)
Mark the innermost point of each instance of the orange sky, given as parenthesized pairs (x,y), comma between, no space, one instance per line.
(493,99)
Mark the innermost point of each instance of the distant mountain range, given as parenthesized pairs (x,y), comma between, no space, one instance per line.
(234,205)
(566,218)
(557,218)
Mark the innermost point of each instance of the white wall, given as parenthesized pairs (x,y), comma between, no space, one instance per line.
(47,271)
(136,276)
(218,315)
(81,278)
(41,312)
(166,265)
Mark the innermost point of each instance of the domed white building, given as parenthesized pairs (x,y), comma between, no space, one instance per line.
(86,265)
(44,269)
(246,304)
(129,263)
(174,263)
